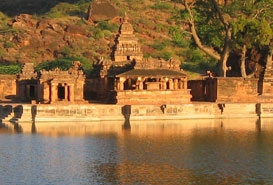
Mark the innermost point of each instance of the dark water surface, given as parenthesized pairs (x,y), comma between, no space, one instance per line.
(238,151)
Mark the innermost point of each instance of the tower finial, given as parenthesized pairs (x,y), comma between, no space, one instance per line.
(125,19)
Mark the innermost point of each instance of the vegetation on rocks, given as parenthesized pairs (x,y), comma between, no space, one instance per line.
(54,33)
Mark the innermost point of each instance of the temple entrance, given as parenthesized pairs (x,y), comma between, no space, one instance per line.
(61,92)
(32,91)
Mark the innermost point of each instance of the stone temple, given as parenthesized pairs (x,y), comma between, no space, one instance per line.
(128,78)
(53,86)
(125,78)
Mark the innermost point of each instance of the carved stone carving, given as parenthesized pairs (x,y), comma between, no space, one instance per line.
(28,72)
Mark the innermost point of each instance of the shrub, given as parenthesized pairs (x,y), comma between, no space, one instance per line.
(105,25)
(197,61)
(61,10)
(3,21)
(178,37)
(163,6)
(10,69)
(160,45)
(65,63)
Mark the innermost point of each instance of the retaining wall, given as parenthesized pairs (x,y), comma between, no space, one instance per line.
(88,112)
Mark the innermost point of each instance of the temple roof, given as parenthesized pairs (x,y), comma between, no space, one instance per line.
(126,27)
(152,73)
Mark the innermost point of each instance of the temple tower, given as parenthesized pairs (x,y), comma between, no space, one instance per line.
(126,47)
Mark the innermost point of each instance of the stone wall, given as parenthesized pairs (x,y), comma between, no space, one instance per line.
(197,89)
(153,97)
(90,113)
(231,89)
(237,90)
(7,87)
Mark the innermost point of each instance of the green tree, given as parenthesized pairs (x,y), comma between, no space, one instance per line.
(219,29)
(252,28)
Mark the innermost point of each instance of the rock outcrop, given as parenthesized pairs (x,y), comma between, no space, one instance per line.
(100,10)
(42,40)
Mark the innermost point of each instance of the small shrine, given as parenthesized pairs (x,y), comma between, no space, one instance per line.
(59,86)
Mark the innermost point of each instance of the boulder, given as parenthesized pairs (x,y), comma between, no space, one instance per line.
(101,10)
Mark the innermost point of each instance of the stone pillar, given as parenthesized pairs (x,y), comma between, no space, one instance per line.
(181,83)
(66,98)
(116,84)
(39,93)
(121,84)
(71,93)
(175,85)
(45,92)
(164,83)
(81,90)
(185,83)
(140,83)
(171,86)
(54,93)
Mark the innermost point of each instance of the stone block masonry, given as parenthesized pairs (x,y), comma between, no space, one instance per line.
(99,112)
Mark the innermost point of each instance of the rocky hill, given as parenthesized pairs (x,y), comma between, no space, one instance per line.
(40,30)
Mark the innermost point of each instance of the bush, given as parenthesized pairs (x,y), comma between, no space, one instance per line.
(178,37)
(197,61)
(160,45)
(162,6)
(4,21)
(65,63)
(10,69)
(62,10)
(105,25)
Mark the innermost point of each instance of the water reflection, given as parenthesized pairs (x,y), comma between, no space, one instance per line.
(163,152)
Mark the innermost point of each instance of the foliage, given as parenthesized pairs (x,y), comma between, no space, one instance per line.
(198,62)
(63,9)
(65,63)
(224,29)
(253,17)
(10,69)
(135,5)
(179,38)
(105,25)
(162,50)
(3,21)
(160,45)
(163,6)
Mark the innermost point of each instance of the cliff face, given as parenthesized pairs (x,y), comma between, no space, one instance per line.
(33,38)
(89,29)
(41,40)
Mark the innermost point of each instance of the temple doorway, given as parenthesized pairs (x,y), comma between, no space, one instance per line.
(61,92)
(32,93)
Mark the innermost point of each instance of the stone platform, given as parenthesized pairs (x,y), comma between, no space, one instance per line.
(100,112)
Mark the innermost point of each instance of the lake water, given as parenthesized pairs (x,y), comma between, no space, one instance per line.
(238,151)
